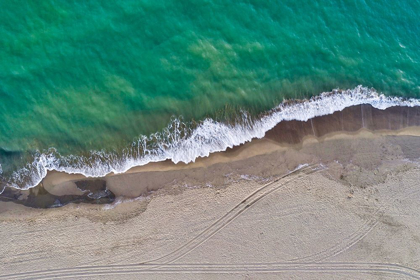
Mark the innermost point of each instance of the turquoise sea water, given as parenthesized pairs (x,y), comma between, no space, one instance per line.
(85,76)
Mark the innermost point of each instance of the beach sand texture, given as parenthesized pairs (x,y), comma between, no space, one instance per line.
(351,212)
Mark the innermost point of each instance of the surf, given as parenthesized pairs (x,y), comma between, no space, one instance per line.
(181,142)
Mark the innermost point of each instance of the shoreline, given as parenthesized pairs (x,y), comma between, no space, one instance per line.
(183,142)
(356,122)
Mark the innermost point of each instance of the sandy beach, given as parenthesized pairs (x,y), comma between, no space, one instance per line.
(208,139)
(337,199)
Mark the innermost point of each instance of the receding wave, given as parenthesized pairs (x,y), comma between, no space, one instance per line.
(182,143)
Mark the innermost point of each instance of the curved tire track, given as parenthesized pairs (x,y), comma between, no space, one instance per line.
(190,245)
(310,263)
(247,268)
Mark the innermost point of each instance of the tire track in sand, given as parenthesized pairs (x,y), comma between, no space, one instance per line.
(193,243)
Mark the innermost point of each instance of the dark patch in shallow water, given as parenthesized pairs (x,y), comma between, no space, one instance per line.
(351,119)
(95,192)
(95,189)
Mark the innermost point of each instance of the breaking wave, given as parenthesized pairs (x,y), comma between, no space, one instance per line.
(181,143)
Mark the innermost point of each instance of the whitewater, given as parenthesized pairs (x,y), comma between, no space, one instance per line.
(179,143)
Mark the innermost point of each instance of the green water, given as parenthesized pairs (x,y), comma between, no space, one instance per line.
(86,75)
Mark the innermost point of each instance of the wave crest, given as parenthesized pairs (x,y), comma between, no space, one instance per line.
(181,143)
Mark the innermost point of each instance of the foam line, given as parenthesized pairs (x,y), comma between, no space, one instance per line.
(179,144)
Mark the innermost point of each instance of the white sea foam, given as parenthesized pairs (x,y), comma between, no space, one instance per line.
(120,200)
(208,137)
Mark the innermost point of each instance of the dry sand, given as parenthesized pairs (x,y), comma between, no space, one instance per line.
(352,213)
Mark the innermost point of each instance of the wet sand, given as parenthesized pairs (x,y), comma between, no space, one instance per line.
(58,188)
(350,213)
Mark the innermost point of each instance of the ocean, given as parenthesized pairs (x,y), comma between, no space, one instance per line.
(95,87)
